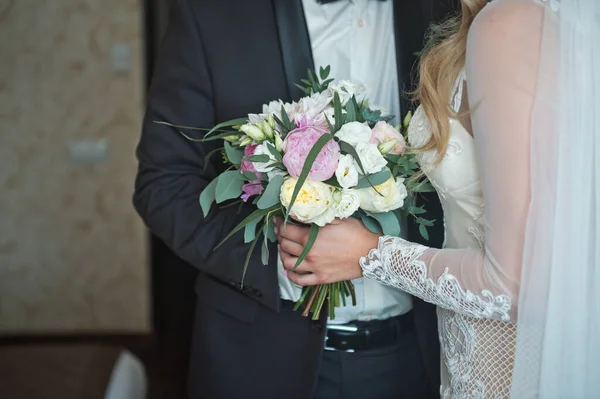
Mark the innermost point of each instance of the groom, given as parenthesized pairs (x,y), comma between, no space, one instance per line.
(221,60)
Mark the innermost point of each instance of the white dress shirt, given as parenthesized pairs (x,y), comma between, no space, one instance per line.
(356,38)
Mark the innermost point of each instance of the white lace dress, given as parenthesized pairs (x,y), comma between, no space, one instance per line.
(483,185)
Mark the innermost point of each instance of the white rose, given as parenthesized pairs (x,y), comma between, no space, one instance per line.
(347,172)
(354,133)
(314,203)
(263,149)
(346,89)
(388,197)
(371,158)
(345,202)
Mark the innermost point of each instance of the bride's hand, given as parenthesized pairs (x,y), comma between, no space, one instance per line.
(334,256)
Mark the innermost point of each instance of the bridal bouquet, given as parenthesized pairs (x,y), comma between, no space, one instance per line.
(330,155)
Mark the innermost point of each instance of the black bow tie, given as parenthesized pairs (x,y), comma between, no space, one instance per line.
(333,1)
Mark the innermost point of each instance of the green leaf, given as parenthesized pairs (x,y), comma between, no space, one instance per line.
(337,112)
(389,223)
(265,247)
(233,122)
(250,230)
(424,233)
(271,228)
(286,119)
(234,155)
(258,158)
(371,224)
(350,111)
(249,256)
(207,196)
(250,176)
(374,179)
(308,163)
(324,72)
(310,241)
(229,186)
(219,136)
(276,154)
(270,196)
(425,222)
(259,213)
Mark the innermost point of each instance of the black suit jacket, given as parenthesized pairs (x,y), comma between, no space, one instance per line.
(221,60)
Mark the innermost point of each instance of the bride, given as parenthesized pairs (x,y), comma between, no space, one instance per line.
(509,135)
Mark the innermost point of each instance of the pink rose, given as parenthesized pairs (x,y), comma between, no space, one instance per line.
(298,144)
(252,188)
(248,166)
(384,132)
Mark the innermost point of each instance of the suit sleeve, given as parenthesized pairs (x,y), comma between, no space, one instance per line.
(172,170)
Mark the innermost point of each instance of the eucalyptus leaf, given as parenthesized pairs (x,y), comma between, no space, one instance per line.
(229,186)
(251,176)
(250,230)
(263,158)
(234,155)
(374,179)
(207,196)
(270,196)
(389,223)
(371,224)
(424,233)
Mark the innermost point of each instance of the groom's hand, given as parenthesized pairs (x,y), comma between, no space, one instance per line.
(334,256)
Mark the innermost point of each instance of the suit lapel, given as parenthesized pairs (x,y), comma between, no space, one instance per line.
(294,41)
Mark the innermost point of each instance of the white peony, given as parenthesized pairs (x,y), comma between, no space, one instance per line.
(345,202)
(354,133)
(314,203)
(371,158)
(388,197)
(347,172)
(346,89)
(274,108)
(263,149)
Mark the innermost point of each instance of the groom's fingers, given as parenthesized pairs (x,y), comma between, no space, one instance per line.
(289,263)
(304,279)
(291,247)
(297,234)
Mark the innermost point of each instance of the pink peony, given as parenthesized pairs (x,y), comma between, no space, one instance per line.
(248,166)
(298,144)
(318,122)
(252,188)
(383,132)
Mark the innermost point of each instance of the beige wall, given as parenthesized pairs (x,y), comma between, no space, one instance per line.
(72,250)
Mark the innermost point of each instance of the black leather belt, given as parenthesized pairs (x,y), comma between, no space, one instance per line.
(361,335)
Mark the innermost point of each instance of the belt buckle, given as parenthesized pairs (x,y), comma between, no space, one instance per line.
(340,327)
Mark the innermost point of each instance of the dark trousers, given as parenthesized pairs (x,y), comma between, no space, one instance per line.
(393,372)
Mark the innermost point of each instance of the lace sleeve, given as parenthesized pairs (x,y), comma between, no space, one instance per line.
(502,63)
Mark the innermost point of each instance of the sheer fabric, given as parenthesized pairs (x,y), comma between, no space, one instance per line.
(484,186)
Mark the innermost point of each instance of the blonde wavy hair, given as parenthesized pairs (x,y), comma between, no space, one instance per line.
(442,60)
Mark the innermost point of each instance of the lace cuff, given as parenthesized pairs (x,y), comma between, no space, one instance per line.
(406,266)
